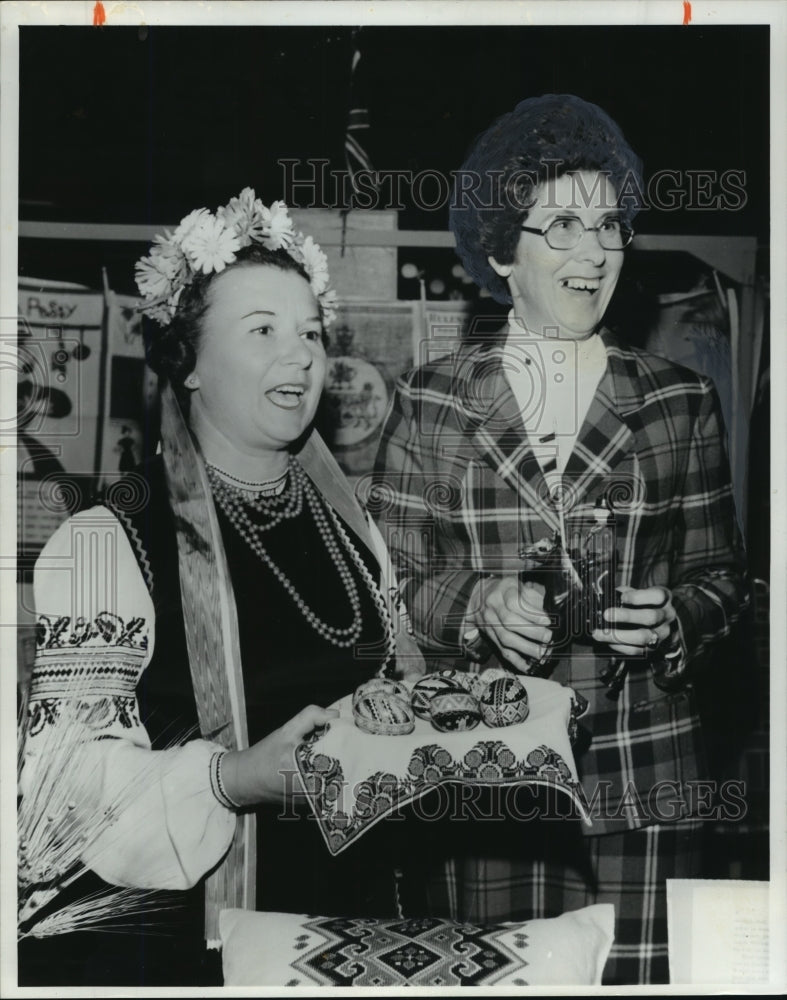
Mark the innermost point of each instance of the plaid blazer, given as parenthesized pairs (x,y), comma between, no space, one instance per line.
(459,493)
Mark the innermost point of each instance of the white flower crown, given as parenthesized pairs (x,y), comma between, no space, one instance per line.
(205,243)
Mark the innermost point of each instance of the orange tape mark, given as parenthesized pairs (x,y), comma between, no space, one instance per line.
(99,16)
(686,11)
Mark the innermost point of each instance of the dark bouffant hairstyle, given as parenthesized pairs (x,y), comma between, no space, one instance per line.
(172,352)
(542,138)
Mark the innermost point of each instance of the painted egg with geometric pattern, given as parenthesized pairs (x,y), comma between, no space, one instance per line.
(504,702)
(492,673)
(454,711)
(427,687)
(468,680)
(383,714)
(386,684)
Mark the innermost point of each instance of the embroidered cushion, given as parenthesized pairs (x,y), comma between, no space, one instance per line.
(286,949)
(353,778)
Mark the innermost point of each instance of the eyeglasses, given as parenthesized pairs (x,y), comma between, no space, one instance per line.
(565,233)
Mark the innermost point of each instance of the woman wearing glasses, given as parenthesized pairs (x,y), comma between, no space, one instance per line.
(584,527)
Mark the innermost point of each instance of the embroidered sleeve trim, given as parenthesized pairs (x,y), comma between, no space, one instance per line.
(86,674)
(105,631)
(98,714)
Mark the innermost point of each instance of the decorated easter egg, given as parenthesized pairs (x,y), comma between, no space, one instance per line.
(383,714)
(454,711)
(492,674)
(385,684)
(469,681)
(427,687)
(504,702)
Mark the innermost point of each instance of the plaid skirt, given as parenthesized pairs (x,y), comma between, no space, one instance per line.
(551,868)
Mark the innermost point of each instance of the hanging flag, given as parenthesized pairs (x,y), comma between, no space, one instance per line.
(355,156)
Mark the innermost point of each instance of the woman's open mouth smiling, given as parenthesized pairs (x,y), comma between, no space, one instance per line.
(287,396)
(589,285)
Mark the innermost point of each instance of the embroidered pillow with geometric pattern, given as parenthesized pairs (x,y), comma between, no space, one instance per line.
(286,949)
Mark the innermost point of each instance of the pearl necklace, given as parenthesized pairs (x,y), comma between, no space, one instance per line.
(285,503)
(268,487)
(234,502)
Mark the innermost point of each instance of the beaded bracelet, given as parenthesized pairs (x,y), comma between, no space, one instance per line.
(216,784)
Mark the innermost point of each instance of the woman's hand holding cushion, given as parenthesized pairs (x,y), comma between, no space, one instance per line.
(266,772)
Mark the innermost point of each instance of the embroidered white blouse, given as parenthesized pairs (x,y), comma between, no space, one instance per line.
(159,824)
(96,636)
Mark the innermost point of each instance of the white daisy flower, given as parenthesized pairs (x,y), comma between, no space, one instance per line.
(295,250)
(238,207)
(316,264)
(278,230)
(170,257)
(191,220)
(160,313)
(172,301)
(329,303)
(244,214)
(153,278)
(211,245)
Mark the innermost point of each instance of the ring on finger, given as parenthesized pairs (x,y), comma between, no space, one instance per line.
(654,640)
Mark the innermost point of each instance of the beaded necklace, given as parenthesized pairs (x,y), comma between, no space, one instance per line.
(234,501)
(268,487)
(279,506)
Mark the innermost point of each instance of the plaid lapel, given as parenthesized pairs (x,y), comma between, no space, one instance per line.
(497,433)
(605,439)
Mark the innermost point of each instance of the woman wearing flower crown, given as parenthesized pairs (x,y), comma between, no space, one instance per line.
(232,590)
